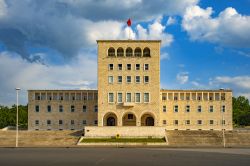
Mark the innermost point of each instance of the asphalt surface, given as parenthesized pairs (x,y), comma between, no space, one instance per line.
(123,156)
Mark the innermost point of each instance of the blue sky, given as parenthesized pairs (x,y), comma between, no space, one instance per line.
(51,44)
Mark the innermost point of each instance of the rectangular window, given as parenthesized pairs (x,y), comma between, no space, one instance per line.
(111,98)
(119,79)
(95,122)
(110,79)
(72,122)
(48,122)
(137,97)
(223,122)
(199,122)
(176,108)
(188,108)
(146,66)
(84,122)
(128,79)
(128,66)
(211,122)
(60,122)
(211,108)
(175,122)
(111,67)
(137,66)
(49,108)
(84,108)
(146,79)
(128,97)
(37,108)
(96,108)
(199,108)
(164,122)
(72,108)
(137,79)
(146,97)
(164,108)
(60,108)
(37,122)
(119,97)
(187,122)
(223,108)
(119,66)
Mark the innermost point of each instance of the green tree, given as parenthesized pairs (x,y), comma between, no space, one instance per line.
(8,116)
(241,111)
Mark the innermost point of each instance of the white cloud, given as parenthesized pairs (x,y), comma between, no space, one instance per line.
(229,28)
(239,84)
(78,74)
(242,82)
(171,21)
(155,31)
(182,77)
(3,8)
(165,56)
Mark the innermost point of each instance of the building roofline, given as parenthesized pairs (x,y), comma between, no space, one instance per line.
(196,90)
(128,40)
(62,90)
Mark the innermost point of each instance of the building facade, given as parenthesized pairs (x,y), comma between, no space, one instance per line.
(129,94)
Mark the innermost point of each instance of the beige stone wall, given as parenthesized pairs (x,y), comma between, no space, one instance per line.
(131,131)
(141,111)
(205,115)
(78,115)
(153,87)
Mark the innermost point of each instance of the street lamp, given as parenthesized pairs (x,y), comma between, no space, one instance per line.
(17,90)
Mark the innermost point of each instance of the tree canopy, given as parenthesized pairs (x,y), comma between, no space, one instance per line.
(241,111)
(8,116)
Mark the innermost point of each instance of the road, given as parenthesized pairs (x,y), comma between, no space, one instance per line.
(122,156)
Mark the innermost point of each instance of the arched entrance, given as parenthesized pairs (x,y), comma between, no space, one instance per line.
(110,119)
(150,121)
(129,119)
(147,120)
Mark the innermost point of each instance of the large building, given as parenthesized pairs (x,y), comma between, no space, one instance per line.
(129,94)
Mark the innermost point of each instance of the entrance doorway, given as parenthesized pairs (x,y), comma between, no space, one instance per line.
(149,121)
(111,121)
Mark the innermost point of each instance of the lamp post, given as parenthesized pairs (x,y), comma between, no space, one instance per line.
(17,90)
(223,129)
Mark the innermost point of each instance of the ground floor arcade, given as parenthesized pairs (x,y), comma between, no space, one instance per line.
(129,119)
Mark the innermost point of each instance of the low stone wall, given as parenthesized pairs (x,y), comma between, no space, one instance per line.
(124,131)
(40,138)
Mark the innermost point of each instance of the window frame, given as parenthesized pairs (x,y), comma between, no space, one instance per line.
(148,97)
(118,97)
(127,97)
(112,78)
(118,80)
(111,68)
(136,97)
(109,93)
(128,82)
(144,79)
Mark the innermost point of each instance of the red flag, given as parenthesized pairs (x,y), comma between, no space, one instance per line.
(129,22)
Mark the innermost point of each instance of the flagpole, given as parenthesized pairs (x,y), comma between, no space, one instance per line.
(128,34)
(129,24)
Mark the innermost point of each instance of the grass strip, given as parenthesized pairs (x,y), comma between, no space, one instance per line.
(123,140)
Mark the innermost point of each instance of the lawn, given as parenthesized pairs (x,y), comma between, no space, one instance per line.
(123,140)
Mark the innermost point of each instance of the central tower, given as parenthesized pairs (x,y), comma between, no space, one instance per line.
(128,82)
